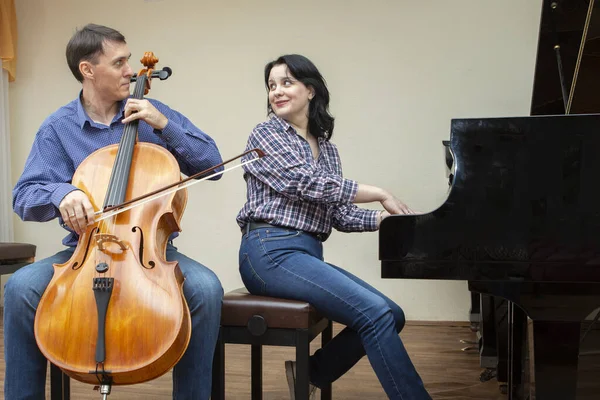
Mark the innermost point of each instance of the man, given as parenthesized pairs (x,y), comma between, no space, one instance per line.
(98,57)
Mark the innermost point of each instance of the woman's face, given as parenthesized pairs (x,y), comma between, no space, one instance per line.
(289,98)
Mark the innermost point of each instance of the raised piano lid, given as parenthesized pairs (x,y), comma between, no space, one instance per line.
(564,25)
(524,205)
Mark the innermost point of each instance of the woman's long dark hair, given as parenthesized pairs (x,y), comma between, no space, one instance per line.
(320,122)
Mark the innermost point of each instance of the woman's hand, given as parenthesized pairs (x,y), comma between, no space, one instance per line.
(382,215)
(394,205)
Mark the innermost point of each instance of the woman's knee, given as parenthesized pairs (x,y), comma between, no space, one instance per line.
(399,317)
(385,313)
(376,312)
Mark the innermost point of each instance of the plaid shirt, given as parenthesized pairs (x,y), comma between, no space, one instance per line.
(288,188)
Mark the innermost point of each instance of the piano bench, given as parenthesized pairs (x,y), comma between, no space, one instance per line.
(12,257)
(262,320)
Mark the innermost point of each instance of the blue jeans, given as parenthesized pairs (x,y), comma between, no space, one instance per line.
(26,366)
(289,264)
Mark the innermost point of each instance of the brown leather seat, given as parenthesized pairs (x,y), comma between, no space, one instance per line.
(14,256)
(269,321)
(239,307)
(11,253)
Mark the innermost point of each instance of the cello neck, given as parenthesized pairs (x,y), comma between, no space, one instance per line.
(119,178)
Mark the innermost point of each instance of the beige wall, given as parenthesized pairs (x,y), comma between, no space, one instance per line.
(398,71)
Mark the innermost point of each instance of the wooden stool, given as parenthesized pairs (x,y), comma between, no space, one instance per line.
(12,257)
(261,320)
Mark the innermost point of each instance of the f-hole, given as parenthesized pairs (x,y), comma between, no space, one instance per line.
(78,264)
(141,249)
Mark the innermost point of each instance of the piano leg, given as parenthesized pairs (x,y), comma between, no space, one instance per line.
(475,311)
(557,310)
(488,354)
(556,347)
(517,326)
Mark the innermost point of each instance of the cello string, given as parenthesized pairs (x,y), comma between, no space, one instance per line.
(107,226)
(128,140)
(121,174)
(125,151)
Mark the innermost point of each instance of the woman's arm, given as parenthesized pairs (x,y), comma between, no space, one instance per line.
(370,194)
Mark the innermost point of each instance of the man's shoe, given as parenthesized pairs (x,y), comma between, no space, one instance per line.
(290,373)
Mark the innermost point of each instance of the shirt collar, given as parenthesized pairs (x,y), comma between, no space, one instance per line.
(83,117)
(283,124)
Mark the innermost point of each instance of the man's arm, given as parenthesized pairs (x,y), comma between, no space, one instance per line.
(194,150)
(45,180)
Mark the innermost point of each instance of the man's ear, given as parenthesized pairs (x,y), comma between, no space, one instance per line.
(85,67)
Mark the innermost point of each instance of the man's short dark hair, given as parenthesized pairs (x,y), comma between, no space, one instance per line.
(87,44)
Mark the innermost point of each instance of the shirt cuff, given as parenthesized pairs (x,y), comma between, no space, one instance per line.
(60,192)
(348,192)
(371,220)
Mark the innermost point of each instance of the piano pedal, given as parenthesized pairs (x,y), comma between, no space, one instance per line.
(516,395)
(503,387)
(473,346)
(487,374)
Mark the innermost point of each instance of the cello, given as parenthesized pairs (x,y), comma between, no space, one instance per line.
(115,313)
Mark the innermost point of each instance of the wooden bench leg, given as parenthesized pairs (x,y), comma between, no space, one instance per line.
(302,365)
(60,386)
(256,372)
(218,374)
(326,336)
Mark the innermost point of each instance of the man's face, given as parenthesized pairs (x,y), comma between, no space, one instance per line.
(111,74)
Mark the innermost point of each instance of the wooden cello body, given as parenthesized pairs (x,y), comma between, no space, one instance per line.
(115,312)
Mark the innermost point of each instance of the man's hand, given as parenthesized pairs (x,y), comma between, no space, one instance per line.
(77,211)
(144,110)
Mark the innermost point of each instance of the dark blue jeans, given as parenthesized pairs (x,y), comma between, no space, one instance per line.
(26,366)
(289,264)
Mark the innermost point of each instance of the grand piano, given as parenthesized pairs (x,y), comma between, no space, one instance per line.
(522,216)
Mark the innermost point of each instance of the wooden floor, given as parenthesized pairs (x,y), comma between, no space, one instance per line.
(435,349)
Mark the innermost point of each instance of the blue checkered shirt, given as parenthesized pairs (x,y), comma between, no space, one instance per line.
(68,136)
(288,188)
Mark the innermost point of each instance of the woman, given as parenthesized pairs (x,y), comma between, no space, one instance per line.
(295,195)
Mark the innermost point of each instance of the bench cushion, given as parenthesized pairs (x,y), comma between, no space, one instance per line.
(16,252)
(239,306)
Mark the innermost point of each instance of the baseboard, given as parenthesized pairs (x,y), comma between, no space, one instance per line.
(438,323)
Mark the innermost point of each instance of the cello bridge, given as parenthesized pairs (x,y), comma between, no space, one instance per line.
(103,238)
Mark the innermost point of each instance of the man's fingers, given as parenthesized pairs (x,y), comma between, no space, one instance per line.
(78,220)
(133,115)
(89,212)
(66,219)
(77,214)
